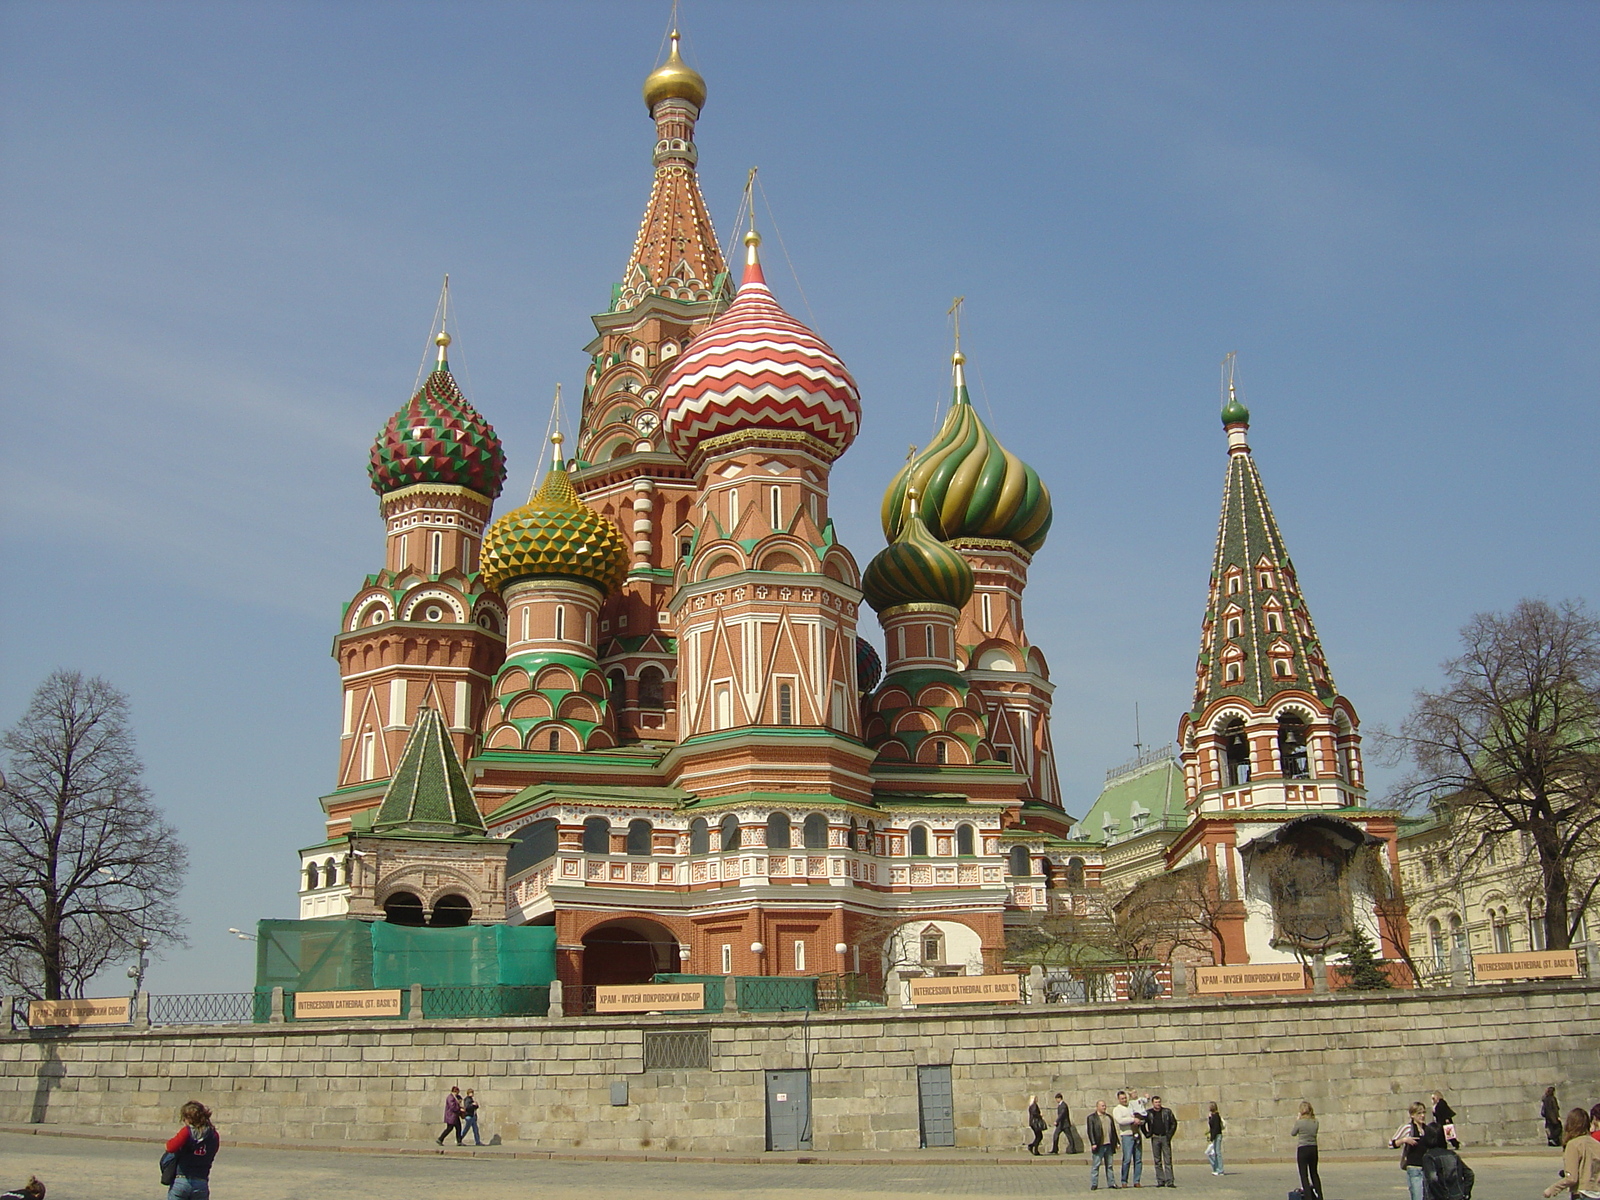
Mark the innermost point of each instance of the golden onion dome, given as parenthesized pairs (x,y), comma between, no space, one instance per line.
(971,486)
(674,80)
(917,568)
(555,535)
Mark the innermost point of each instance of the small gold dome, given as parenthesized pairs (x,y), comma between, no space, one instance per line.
(674,80)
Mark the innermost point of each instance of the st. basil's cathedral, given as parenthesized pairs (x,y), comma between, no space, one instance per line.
(637,707)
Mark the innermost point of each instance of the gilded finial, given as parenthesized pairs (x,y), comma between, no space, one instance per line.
(674,80)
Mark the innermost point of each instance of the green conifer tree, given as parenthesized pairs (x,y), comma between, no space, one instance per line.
(1363,969)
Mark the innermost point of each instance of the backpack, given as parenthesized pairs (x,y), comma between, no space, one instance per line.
(1446,1176)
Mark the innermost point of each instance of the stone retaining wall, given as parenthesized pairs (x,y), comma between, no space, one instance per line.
(547,1084)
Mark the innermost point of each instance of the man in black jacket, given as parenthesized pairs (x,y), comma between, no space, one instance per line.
(1063,1125)
(1159,1126)
(1102,1133)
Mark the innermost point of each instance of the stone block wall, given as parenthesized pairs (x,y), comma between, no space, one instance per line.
(546,1084)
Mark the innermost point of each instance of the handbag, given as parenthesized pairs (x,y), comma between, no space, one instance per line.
(169,1168)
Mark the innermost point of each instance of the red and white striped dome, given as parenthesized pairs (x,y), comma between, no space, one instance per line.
(756,367)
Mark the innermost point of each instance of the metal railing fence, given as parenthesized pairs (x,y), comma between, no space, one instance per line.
(498,1000)
(205,1008)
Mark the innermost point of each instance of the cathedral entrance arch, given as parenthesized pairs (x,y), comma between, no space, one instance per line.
(628,950)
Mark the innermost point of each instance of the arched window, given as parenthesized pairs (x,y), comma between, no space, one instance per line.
(1074,872)
(451,912)
(778,831)
(1236,752)
(561,622)
(555,739)
(855,835)
(872,838)
(330,874)
(730,832)
(777,508)
(597,836)
(1233,673)
(816,832)
(617,685)
(1235,625)
(532,844)
(403,908)
(436,554)
(699,836)
(1021,865)
(312,877)
(786,704)
(652,688)
(1292,746)
(919,841)
(941,751)
(639,837)
(1436,944)
(966,843)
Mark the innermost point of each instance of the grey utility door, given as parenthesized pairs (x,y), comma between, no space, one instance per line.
(936,1107)
(788,1110)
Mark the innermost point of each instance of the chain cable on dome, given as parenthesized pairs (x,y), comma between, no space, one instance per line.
(773,220)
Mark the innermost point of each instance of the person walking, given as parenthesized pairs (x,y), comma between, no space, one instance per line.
(1305,1151)
(1035,1123)
(1580,1159)
(1129,1127)
(1063,1127)
(469,1117)
(452,1116)
(1102,1131)
(1160,1125)
(1550,1114)
(1408,1139)
(1445,1118)
(195,1145)
(1214,1130)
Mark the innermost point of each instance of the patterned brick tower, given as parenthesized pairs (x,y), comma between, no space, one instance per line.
(675,282)
(424,630)
(1271,751)
(993,508)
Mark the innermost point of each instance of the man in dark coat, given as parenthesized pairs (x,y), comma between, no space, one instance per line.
(1102,1131)
(1063,1127)
(1159,1126)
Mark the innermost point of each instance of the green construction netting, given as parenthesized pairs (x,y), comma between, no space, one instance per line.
(332,955)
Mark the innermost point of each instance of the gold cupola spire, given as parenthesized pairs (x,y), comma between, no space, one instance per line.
(674,80)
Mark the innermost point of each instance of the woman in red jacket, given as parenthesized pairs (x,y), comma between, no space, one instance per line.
(196,1147)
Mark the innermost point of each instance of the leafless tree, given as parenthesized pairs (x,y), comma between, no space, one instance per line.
(1508,751)
(1176,911)
(87,865)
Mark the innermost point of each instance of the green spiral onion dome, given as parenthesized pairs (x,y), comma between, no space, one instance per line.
(917,568)
(555,534)
(971,485)
(869,667)
(438,438)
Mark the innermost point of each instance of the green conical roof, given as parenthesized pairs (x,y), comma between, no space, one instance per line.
(917,569)
(1256,617)
(429,791)
(971,486)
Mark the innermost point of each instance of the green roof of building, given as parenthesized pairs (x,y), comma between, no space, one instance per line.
(1144,796)
(429,793)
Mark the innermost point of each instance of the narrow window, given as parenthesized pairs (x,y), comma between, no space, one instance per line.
(785,704)
(730,832)
(369,755)
(941,752)
(400,563)
(525,622)
(855,834)
(816,832)
(928,648)
(1282,668)
(436,554)
(1234,584)
(733,508)
(919,841)
(727,960)
(640,835)
(597,836)
(555,740)
(1234,673)
(1265,580)
(1021,867)
(1274,625)
(685,546)
(722,705)
(1236,753)
(988,617)
(814,516)
(1292,747)
(311,877)
(588,628)
(778,831)
(699,836)
(652,688)
(618,687)
(799,957)
(932,951)
(777,508)
(965,842)
(561,622)
(1234,627)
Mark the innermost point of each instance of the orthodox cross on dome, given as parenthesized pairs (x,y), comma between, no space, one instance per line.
(1257,639)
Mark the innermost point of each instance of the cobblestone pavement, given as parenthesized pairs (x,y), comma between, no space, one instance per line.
(89,1169)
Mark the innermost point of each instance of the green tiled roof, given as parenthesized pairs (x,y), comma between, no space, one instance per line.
(1248,544)
(429,792)
(1146,798)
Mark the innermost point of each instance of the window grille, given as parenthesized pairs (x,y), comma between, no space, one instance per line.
(677,1050)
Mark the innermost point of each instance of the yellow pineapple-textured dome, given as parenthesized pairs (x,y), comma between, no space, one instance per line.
(555,534)
(674,80)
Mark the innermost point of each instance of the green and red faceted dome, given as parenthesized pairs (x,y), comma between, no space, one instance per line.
(756,367)
(438,438)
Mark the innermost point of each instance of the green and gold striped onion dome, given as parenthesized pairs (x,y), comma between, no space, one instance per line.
(917,568)
(555,534)
(970,485)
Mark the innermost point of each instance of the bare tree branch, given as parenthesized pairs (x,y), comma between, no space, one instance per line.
(87,866)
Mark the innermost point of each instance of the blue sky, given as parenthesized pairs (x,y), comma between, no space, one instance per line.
(222,229)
